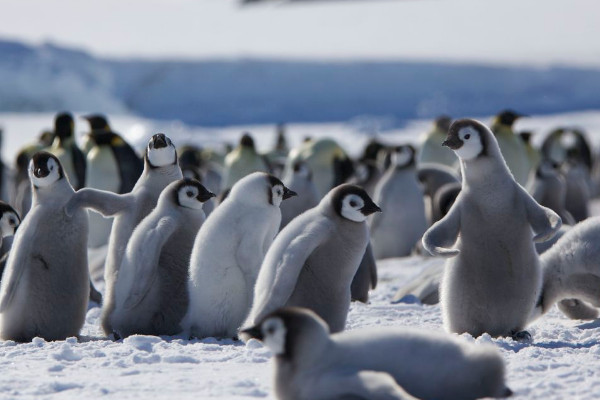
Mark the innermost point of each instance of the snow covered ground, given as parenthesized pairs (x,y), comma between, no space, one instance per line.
(561,362)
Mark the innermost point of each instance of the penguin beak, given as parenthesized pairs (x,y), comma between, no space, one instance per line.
(452,142)
(253,333)
(370,208)
(202,197)
(287,193)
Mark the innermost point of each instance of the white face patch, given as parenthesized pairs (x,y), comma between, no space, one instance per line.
(187,197)
(277,195)
(163,156)
(351,205)
(472,145)
(47,180)
(8,223)
(274,331)
(401,157)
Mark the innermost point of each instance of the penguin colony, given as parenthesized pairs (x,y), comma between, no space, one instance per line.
(294,237)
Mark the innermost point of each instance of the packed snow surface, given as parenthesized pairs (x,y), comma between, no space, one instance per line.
(561,363)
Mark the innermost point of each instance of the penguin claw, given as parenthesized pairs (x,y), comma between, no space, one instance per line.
(521,336)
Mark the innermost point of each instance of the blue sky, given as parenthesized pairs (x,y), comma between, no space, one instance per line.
(527,32)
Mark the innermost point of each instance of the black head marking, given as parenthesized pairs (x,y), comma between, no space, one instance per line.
(411,149)
(7,208)
(372,150)
(274,181)
(443,123)
(203,193)
(508,117)
(526,136)
(454,141)
(346,189)
(40,164)
(97,122)
(247,141)
(64,125)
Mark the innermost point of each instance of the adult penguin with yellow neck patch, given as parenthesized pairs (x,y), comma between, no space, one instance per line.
(511,146)
(430,150)
(242,161)
(67,151)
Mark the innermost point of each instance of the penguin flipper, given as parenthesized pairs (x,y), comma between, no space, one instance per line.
(367,385)
(80,165)
(106,203)
(143,269)
(544,222)
(280,275)
(443,234)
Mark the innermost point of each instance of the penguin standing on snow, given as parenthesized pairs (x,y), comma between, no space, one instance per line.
(313,261)
(151,288)
(492,277)
(228,252)
(396,233)
(160,169)
(45,287)
(380,363)
(67,151)
(511,146)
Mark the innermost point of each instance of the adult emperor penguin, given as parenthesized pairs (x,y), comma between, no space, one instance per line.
(160,169)
(550,190)
(375,363)
(492,277)
(45,287)
(228,252)
(511,146)
(151,289)
(329,163)
(299,179)
(430,150)
(112,165)
(66,150)
(396,233)
(242,161)
(312,262)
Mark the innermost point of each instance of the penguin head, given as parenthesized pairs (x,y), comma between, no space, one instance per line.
(526,136)
(286,329)
(64,125)
(260,188)
(403,156)
(468,138)
(442,123)
(44,169)
(9,219)
(190,193)
(278,191)
(160,151)
(507,117)
(547,168)
(353,203)
(247,141)
(97,122)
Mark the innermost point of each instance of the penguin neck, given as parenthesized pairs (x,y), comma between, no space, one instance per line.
(59,190)
(166,174)
(488,170)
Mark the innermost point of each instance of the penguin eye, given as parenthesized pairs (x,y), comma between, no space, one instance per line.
(270,330)
(189,193)
(12,221)
(467,136)
(279,192)
(352,203)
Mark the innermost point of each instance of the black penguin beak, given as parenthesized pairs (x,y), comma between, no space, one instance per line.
(202,197)
(370,208)
(159,141)
(253,333)
(452,142)
(287,193)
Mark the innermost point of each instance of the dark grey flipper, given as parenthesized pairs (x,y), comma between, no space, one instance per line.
(365,278)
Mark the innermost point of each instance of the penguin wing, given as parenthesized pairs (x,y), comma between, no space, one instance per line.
(544,222)
(16,265)
(129,164)
(443,234)
(363,385)
(106,203)
(79,165)
(143,260)
(280,270)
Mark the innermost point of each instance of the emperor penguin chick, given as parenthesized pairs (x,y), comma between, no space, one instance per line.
(151,288)
(492,278)
(228,252)
(160,169)
(375,363)
(313,260)
(45,287)
(396,233)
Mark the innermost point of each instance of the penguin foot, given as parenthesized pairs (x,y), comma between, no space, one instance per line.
(521,336)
